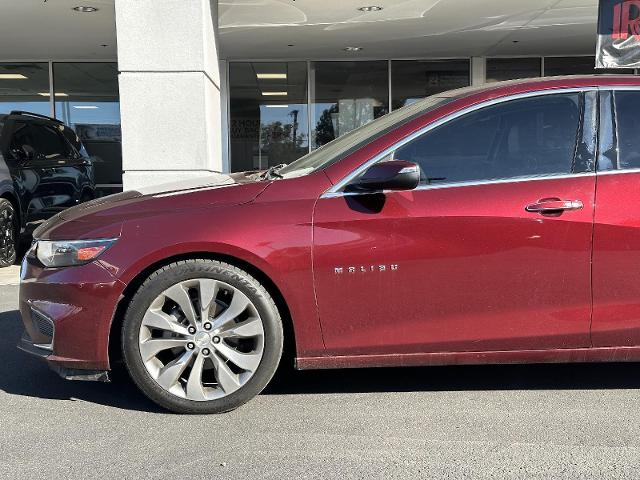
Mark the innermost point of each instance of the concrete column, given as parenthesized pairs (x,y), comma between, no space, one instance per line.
(169,90)
(478,70)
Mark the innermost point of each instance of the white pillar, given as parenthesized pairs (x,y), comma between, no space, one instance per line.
(169,90)
(478,70)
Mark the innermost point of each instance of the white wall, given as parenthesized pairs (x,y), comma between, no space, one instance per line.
(169,90)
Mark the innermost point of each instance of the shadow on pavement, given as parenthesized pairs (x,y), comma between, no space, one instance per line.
(21,374)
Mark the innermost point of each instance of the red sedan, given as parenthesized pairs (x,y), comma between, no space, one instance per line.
(484,225)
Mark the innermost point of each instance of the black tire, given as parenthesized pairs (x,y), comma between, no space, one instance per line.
(8,233)
(180,271)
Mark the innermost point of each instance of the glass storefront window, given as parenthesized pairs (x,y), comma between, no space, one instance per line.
(575,66)
(345,96)
(87,100)
(412,80)
(25,86)
(268,114)
(499,69)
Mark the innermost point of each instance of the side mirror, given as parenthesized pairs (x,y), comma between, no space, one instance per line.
(390,175)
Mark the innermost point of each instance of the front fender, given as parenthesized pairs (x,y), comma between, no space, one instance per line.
(278,245)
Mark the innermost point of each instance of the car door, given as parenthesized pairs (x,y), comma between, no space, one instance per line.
(616,235)
(491,252)
(48,187)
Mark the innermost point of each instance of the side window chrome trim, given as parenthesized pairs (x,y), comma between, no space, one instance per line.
(620,171)
(336,190)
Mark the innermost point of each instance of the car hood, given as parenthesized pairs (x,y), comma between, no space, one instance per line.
(104,216)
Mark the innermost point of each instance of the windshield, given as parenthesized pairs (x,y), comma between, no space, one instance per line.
(340,147)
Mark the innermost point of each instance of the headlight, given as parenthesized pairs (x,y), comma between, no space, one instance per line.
(66,253)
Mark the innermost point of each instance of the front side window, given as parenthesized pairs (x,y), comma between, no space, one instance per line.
(518,138)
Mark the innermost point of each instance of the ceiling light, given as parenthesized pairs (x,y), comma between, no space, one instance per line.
(274,94)
(277,106)
(12,76)
(85,9)
(352,49)
(372,8)
(270,76)
(85,107)
(57,94)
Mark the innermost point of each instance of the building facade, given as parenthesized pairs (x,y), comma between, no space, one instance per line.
(161,90)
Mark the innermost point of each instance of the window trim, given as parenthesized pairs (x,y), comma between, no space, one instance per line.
(337,190)
(613,89)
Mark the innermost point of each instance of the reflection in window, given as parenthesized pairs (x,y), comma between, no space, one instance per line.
(345,96)
(268,114)
(24,86)
(87,100)
(626,109)
(415,79)
(499,69)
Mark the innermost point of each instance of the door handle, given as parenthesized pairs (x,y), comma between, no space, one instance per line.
(553,205)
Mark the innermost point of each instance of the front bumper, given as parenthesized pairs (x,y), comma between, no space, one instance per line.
(67,315)
(27,346)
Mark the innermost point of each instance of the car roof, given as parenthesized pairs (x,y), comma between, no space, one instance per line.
(24,115)
(527,85)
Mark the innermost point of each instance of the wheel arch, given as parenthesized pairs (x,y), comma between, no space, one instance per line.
(115,329)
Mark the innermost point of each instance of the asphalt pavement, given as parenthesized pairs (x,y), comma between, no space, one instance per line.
(540,421)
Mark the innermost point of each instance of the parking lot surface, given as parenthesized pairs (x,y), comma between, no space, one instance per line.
(540,421)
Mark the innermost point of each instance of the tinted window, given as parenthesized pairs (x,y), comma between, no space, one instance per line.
(627,106)
(499,69)
(346,95)
(415,79)
(268,114)
(519,138)
(21,136)
(48,142)
(577,66)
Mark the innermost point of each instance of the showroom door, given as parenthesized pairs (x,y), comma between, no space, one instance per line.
(491,252)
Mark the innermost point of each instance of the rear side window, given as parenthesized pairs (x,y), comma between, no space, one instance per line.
(627,110)
(48,142)
(518,138)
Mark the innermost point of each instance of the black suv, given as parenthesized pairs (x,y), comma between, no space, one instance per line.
(44,169)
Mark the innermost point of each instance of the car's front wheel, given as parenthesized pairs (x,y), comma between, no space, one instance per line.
(7,233)
(201,336)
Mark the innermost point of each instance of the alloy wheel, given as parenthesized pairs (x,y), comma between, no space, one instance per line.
(201,339)
(7,236)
